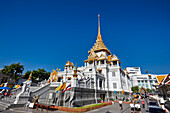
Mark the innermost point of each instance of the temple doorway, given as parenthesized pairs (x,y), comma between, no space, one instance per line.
(102,96)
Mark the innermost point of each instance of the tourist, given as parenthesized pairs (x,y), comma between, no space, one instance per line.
(113,102)
(143,103)
(10,94)
(27,104)
(132,106)
(137,107)
(120,104)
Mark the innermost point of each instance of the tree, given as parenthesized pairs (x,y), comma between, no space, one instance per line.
(135,89)
(148,90)
(37,75)
(14,70)
(152,90)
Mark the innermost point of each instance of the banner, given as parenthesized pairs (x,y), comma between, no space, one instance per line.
(115,92)
(122,91)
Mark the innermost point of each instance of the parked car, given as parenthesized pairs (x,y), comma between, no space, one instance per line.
(156,109)
(153,103)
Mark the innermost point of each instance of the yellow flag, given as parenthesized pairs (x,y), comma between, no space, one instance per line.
(57,89)
(1,85)
(63,86)
(123,91)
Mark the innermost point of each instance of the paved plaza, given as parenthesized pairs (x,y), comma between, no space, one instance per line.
(114,109)
(108,109)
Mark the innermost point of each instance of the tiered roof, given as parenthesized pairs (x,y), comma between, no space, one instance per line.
(100,46)
(69,64)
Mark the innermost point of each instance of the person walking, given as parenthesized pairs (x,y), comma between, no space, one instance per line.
(137,107)
(132,106)
(143,103)
(120,104)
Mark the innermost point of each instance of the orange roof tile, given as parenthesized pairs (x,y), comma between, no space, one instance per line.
(160,77)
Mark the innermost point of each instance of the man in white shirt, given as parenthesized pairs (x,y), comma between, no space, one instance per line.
(120,104)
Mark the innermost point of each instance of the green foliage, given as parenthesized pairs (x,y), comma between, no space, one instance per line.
(135,89)
(152,90)
(148,90)
(37,75)
(14,70)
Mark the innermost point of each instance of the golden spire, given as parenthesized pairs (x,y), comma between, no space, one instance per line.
(99,37)
(99,45)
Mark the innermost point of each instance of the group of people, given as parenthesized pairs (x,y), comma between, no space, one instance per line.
(135,105)
(5,94)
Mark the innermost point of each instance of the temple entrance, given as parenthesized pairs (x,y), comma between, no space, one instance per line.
(102,96)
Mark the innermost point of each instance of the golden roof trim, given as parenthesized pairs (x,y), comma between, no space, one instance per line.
(115,60)
(69,64)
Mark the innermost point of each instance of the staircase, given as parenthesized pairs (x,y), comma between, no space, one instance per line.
(4,105)
(8,102)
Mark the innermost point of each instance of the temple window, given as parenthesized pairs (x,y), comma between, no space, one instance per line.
(113,74)
(114,85)
(90,69)
(102,61)
(114,62)
(90,62)
(100,83)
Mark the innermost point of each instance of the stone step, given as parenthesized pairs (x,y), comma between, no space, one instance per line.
(4,106)
(7,105)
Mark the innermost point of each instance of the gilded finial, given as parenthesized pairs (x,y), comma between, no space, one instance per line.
(99,34)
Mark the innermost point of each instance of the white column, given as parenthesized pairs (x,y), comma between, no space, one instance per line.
(95,62)
(117,63)
(99,62)
(98,83)
(74,82)
(85,64)
(111,63)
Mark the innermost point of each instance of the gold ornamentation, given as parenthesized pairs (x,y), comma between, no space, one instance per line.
(53,76)
(75,74)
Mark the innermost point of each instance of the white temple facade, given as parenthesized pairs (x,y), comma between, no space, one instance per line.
(102,66)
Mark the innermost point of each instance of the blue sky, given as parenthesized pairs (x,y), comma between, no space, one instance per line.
(45,34)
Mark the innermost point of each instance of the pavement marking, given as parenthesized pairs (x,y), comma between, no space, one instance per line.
(19,111)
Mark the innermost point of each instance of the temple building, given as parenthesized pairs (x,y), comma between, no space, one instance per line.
(103,68)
